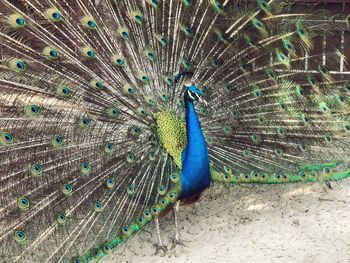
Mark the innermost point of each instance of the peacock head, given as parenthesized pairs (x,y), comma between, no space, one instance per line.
(193,93)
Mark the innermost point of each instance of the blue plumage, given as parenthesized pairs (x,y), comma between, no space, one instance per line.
(92,139)
(195,174)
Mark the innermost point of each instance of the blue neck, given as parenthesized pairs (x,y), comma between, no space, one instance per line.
(195,139)
(195,174)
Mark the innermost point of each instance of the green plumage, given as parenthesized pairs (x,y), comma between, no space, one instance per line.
(171,132)
(92,111)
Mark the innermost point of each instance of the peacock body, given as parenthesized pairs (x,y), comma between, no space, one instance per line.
(102,125)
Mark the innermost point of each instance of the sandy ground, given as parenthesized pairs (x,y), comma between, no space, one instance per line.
(244,224)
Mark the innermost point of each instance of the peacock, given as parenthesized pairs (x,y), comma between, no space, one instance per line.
(114,113)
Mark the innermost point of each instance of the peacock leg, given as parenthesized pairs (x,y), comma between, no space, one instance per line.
(176,240)
(160,245)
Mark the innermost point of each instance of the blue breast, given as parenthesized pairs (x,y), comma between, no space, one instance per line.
(195,174)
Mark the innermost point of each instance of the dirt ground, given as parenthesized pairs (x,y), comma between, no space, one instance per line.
(249,223)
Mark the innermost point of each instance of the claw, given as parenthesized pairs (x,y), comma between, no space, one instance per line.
(160,247)
(329,185)
(177,242)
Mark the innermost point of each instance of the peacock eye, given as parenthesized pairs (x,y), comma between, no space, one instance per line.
(20,21)
(186,64)
(258,24)
(20,65)
(19,236)
(91,23)
(53,53)
(7,138)
(328,138)
(56,16)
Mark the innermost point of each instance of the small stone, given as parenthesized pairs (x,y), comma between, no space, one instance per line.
(296,222)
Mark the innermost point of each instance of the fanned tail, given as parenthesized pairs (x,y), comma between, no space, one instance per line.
(276,112)
(81,168)
(82,84)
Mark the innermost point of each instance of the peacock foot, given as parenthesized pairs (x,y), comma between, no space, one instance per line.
(160,247)
(177,242)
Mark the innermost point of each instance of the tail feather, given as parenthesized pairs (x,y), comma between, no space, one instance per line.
(81,83)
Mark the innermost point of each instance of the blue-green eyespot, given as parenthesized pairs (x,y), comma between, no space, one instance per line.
(20,236)
(6,138)
(85,168)
(35,169)
(32,110)
(17,65)
(53,14)
(23,203)
(88,22)
(98,207)
(67,189)
(61,218)
(16,21)
(57,140)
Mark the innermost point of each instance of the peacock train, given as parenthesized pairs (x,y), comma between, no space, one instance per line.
(115,112)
